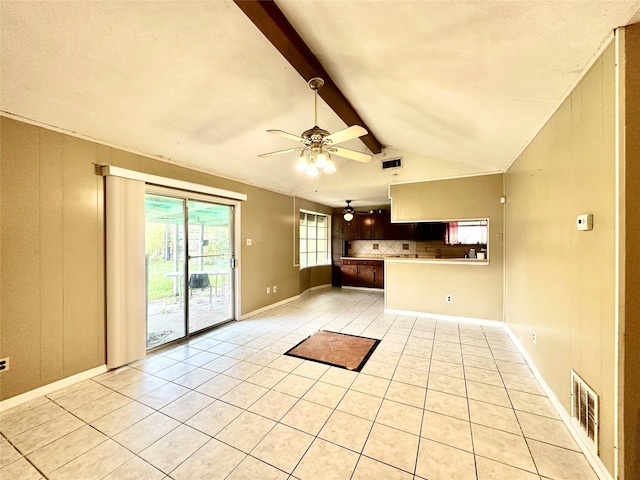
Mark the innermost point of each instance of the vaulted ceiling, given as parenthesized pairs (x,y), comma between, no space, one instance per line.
(454,87)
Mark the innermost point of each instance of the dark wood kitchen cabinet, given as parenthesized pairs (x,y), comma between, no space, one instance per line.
(372,226)
(363,273)
(349,274)
(366,275)
(430,231)
(378,279)
(350,229)
(400,231)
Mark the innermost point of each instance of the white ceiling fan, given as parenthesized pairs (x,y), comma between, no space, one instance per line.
(319,144)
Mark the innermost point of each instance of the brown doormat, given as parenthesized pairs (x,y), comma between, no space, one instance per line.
(337,349)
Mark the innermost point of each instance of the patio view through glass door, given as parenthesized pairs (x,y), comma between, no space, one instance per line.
(188,289)
(210,257)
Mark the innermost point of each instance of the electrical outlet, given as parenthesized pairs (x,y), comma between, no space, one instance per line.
(449,298)
(534,338)
(275,288)
(4,364)
(268,290)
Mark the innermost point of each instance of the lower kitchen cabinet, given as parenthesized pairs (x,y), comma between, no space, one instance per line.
(349,274)
(363,273)
(378,279)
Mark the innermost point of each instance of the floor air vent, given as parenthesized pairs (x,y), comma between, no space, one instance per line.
(393,163)
(584,409)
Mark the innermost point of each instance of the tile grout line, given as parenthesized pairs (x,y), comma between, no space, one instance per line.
(466,389)
(515,414)
(22,455)
(426,392)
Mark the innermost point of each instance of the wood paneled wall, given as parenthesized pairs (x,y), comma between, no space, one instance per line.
(52,257)
(52,261)
(560,282)
(630,420)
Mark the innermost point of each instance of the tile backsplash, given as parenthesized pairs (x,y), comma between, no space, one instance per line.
(361,248)
(410,248)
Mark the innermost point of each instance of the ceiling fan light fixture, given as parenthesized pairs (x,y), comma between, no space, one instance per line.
(302,163)
(321,160)
(348,211)
(330,167)
(312,170)
(319,143)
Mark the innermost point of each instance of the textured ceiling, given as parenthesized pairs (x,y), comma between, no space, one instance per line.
(454,87)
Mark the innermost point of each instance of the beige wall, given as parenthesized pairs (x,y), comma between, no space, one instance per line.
(477,291)
(52,250)
(52,271)
(560,281)
(631,356)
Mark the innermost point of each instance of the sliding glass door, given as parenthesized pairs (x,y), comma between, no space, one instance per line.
(189,258)
(210,260)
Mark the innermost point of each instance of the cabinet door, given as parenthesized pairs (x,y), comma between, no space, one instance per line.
(364,226)
(350,229)
(350,275)
(401,231)
(366,275)
(379,275)
(430,231)
(439,230)
(378,222)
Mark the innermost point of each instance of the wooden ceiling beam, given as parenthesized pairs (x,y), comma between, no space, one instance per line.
(274,25)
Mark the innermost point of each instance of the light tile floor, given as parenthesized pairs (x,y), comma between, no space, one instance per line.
(437,400)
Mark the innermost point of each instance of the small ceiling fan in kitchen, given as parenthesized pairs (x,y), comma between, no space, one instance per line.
(319,144)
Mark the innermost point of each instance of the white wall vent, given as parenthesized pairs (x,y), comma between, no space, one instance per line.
(392,163)
(584,410)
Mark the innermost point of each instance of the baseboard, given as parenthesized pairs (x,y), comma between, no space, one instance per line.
(51,387)
(448,318)
(366,289)
(282,302)
(592,458)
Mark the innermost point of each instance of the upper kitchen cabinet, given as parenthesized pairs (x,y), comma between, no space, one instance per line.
(430,231)
(350,229)
(372,226)
(400,231)
(442,200)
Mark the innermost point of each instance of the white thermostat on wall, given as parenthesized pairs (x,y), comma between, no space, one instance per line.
(585,221)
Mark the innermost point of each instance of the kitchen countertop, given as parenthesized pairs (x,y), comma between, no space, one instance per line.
(414,259)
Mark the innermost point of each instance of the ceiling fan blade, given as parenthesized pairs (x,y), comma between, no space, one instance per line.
(290,136)
(340,136)
(279,152)
(351,154)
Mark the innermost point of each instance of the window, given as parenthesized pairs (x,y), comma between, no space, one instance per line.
(314,239)
(467,232)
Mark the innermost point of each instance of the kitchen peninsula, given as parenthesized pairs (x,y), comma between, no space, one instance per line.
(422,272)
(447,287)
(369,239)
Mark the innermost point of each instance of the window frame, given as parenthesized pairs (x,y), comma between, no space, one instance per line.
(306,236)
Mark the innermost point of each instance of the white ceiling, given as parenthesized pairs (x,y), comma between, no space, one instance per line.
(454,87)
